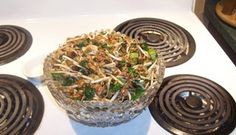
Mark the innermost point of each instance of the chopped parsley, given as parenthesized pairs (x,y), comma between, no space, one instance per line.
(133,72)
(64,80)
(83,63)
(68,81)
(57,76)
(138,92)
(144,46)
(89,93)
(80,45)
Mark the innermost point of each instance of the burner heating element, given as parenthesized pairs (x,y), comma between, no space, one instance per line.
(188,104)
(173,42)
(21,106)
(14,42)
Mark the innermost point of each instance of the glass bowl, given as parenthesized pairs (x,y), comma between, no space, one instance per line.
(101,113)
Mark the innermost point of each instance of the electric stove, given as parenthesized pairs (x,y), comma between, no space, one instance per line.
(192,51)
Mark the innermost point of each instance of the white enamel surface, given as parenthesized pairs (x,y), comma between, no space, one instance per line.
(52,8)
(49,30)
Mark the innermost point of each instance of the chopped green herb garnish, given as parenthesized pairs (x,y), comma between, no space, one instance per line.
(144,46)
(153,54)
(83,63)
(133,72)
(80,45)
(105,45)
(89,93)
(65,81)
(84,71)
(116,87)
(57,76)
(88,40)
(122,63)
(137,93)
(68,81)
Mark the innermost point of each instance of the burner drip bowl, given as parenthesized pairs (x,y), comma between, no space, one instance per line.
(14,42)
(21,106)
(153,37)
(173,42)
(188,104)
(194,102)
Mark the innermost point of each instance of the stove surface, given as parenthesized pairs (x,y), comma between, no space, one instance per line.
(49,31)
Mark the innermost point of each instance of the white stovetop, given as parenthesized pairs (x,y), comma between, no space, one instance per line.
(49,30)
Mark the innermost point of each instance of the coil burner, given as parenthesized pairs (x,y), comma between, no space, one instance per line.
(188,104)
(21,106)
(173,42)
(14,42)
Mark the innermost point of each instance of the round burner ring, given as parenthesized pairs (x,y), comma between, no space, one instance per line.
(14,42)
(21,106)
(189,104)
(173,42)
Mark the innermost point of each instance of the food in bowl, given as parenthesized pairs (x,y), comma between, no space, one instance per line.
(104,66)
(106,70)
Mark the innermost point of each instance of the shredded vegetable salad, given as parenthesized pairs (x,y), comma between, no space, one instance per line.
(104,65)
